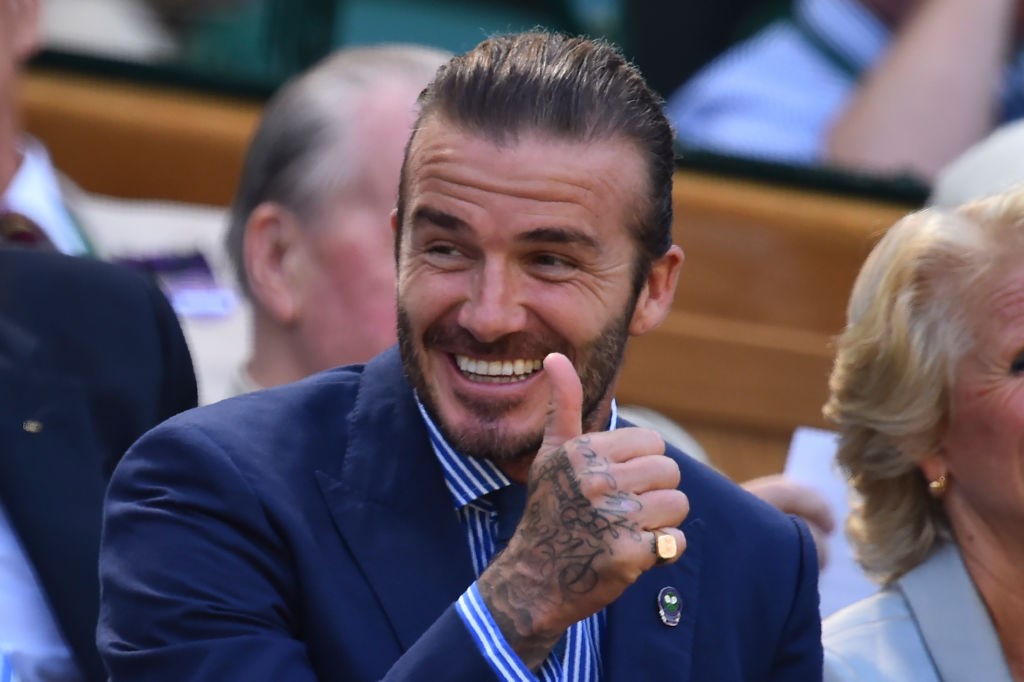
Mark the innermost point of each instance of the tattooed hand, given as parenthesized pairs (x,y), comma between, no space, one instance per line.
(587,531)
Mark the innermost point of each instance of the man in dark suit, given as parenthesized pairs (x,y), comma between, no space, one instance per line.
(91,356)
(466,507)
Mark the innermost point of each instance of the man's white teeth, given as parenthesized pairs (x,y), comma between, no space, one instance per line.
(517,368)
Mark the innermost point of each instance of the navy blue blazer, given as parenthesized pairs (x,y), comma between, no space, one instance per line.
(306,533)
(91,356)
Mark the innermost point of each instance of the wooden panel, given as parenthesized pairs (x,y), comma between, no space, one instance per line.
(140,142)
(739,387)
(780,256)
(744,355)
(715,369)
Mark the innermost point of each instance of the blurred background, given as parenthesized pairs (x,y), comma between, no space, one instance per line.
(155,100)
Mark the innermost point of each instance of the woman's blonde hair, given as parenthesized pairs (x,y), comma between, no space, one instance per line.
(909,324)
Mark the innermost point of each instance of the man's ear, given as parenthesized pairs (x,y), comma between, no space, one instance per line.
(26,28)
(274,253)
(394,233)
(655,298)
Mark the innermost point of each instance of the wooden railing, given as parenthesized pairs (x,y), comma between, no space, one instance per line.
(139,141)
(744,356)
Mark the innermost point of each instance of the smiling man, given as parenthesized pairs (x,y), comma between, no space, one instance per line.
(468,506)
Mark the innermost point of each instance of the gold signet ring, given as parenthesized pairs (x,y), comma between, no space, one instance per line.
(667,546)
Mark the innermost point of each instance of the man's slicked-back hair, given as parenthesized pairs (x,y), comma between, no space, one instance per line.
(570,88)
(302,150)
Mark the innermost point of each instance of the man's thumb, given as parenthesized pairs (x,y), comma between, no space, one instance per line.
(565,409)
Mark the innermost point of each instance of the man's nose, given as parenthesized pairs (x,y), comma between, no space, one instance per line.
(494,307)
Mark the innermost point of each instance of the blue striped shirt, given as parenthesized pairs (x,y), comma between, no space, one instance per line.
(470,480)
(6,669)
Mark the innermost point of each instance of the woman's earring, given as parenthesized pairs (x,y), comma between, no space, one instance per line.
(939,486)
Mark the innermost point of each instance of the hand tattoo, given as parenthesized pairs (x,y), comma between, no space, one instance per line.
(562,536)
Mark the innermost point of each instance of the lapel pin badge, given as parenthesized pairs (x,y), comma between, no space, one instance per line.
(32,426)
(670,606)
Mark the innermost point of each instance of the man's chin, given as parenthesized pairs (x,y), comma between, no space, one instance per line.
(490,440)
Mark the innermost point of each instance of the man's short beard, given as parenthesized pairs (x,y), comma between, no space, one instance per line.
(602,358)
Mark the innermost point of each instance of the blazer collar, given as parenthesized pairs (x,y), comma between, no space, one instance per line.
(390,503)
(937,588)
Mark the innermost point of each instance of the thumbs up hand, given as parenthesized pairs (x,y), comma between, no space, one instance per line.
(597,504)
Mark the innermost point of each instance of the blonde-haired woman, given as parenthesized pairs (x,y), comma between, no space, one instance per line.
(928,394)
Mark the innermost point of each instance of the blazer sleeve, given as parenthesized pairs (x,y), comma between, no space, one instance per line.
(800,654)
(197,583)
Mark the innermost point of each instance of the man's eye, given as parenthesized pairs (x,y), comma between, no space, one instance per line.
(441,250)
(550,260)
(1017,366)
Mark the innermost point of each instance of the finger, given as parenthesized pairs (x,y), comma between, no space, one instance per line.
(565,409)
(667,545)
(661,509)
(620,445)
(645,472)
(812,506)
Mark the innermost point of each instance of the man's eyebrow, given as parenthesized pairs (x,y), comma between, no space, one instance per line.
(539,235)
(559,235)
(439,218)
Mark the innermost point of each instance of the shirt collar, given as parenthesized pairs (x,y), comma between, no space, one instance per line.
(34,192)
(470,478)
(848,27)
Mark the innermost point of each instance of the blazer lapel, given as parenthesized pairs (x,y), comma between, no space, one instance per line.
(637,644)
(390,503)
(937,588)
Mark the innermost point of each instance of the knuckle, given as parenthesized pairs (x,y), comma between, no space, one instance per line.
(680,543)
(652,441)
(594,486)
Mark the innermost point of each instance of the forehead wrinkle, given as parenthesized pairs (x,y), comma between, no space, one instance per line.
(550,189)
(443,154)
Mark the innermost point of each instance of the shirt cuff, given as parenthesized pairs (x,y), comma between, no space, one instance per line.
(492,645)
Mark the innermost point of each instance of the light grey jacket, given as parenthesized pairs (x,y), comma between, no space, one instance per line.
(930,626)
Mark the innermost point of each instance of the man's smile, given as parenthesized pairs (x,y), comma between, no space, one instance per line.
(497,371)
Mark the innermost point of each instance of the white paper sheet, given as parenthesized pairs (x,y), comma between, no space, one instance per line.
(811,461)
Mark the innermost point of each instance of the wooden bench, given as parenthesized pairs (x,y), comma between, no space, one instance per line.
(139,141)
(742,359)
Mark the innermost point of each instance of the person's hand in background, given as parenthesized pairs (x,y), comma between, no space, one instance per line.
(796,498)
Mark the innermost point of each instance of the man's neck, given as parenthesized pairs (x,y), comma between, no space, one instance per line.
(272,361)
(266,374)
